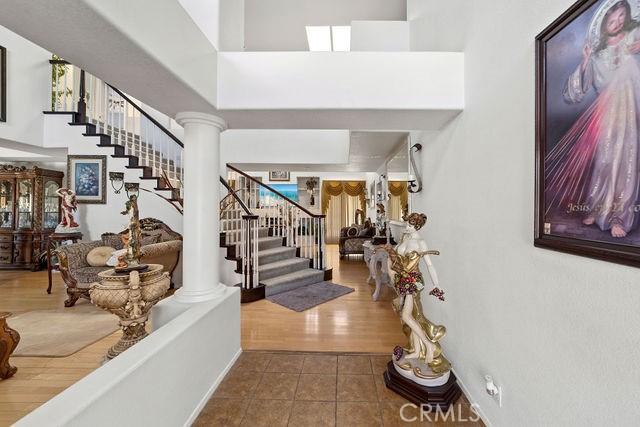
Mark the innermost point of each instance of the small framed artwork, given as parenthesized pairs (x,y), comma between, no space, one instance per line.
(3,84)
(279,176)
(588,132)
(86,176)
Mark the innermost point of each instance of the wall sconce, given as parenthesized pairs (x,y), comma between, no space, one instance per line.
(132,189)
(117,181)
(414,182)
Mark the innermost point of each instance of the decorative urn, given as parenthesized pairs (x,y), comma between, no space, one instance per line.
(130,296)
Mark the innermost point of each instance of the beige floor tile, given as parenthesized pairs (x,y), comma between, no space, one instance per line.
(379,364)
(316,387)
(267,413)
(313,414)
(277,385)
(291,363)
(253,361)
(320,364)
(384,394)
(222,412)
(238,385)
(356,388)
(351,364)
(355,414)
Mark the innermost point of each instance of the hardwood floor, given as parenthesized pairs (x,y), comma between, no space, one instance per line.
(352,323)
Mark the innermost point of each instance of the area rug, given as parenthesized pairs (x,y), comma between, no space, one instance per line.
(306,297)
(60,333)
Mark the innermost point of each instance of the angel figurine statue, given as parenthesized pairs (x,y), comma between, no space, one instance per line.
(133,239)
(421,360)
(68,206)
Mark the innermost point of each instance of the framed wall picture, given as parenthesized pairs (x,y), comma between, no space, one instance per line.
(588,132)
(279,176)
(3,84)
(86,176)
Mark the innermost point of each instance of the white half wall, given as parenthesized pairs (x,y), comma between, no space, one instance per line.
(164,380)
(28,89)
(341,80)
(557,332)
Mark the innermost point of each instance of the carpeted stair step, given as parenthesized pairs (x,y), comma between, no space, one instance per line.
(263,232)
(279,268)
(291,281)
(268,256)
(269,243)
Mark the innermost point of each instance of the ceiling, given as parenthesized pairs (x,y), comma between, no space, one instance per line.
(368,151)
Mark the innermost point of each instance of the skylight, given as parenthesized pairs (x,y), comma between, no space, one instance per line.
(329,38)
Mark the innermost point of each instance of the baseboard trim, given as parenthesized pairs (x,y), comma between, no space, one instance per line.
(477,407)
(194,415)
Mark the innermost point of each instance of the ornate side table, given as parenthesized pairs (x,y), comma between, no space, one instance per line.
(53,241)
(9,339)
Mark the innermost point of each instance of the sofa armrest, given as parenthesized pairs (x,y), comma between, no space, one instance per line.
(161,247)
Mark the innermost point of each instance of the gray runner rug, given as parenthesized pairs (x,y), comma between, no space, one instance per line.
(306,297)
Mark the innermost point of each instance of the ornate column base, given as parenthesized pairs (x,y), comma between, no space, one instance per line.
(442,396)
(9,340)
(131,334)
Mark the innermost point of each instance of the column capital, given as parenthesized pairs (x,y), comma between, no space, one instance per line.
(190,117)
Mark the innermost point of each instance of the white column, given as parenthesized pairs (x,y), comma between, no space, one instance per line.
(200,253)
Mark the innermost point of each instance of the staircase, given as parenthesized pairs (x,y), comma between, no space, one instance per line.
(276,244)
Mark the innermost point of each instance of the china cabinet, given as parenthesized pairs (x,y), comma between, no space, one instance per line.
(29,212)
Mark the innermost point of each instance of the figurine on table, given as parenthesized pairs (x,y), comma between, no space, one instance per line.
(131,260)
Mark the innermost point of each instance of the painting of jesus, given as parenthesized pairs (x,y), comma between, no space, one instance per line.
(589,125)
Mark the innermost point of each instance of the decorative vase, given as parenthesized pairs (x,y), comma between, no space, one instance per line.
(130,297)
(9,340)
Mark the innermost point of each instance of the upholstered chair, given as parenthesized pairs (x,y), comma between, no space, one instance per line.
(78,275)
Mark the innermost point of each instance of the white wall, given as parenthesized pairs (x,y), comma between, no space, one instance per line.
(380,36)
(558,332)
(231,25)
(279,25)
(28,89)
(206,15)
(341,80)
(282,146)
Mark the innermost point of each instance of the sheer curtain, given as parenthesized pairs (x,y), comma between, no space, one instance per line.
(395,208)
(341,213)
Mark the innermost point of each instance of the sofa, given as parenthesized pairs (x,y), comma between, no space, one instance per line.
(163,247)
(353,237)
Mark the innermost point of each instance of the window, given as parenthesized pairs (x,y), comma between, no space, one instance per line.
(329,38)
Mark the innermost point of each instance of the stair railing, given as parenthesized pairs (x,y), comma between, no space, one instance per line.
(284,217)
(119,116)
(241,228)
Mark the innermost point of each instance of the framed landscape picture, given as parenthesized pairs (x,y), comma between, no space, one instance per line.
(3,84)
(588,132)
(86,176)
(279,176)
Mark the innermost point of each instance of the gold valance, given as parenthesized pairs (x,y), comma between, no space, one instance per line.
(336,188)
(399,189)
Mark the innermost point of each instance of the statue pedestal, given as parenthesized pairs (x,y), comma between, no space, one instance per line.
(442,396)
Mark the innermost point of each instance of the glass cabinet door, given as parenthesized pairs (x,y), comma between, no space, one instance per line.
(6,204)
(51,205)
(25,203)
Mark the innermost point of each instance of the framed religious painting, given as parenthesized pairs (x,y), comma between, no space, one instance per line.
(86,176)
(279,176)
(3,84)
(588,132)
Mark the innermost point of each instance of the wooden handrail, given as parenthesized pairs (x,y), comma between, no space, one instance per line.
(133,104)
(235,196)
(273,190)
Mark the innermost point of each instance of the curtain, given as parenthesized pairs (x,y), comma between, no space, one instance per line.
(340,213)
(398,200)
(332,189)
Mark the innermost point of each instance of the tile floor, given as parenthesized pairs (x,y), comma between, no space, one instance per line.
(315,389)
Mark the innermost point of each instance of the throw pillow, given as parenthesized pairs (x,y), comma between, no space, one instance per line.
(352,232)
(364,232)
(97,257)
